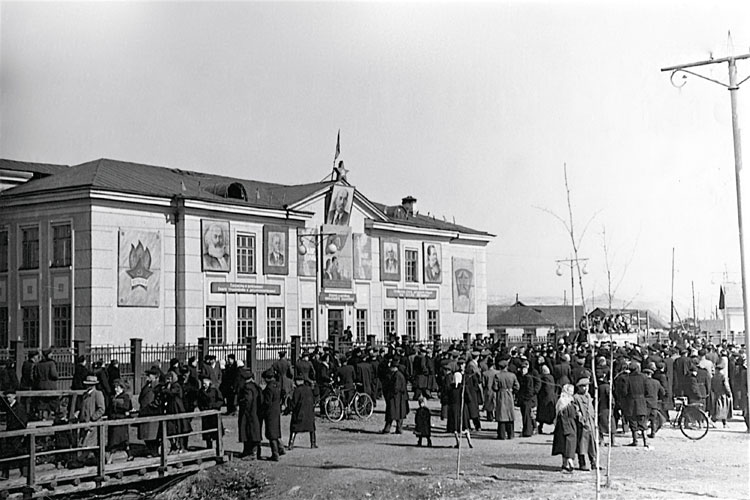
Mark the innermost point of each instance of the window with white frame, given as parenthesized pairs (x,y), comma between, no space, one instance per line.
(62,238)
(30,327)
(433,323)
(389,322)
(246,324)
(411,259)
(30,247)
(307,325)
(245,253)
(412,323)
(361,325)
(215,324)
(61,325)
(275,325)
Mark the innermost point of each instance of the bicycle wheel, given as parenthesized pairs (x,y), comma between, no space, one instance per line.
(334,408)
(693,423)
(363,405)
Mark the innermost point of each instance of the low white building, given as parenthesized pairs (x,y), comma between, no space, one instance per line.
(109,250)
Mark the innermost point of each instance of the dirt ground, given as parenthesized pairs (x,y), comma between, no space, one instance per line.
(355,461)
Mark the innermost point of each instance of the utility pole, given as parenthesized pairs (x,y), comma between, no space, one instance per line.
(733,87)
(572,261)
(671,300)
(695,318)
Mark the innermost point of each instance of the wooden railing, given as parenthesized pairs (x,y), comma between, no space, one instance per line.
(103,471)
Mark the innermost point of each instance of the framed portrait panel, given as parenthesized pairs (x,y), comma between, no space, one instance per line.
(463,285)
(433,262)
(390,259)
(337,257)
(275,250)
(216,245)
(339,205)
(307,262)
(362,257)
(139,268)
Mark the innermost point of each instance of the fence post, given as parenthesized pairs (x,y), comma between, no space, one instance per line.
(19,355)
(31,473)
(79,348)
(252,354)
(220,439)
(202,349)
(336,343)
(101,453)
(164,444)
(296,349)
(136,363)
(371,340)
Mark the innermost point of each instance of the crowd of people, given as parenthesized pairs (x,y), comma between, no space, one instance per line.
(551,385)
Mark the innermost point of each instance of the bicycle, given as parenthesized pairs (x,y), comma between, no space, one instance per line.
(691,419)
(361,405)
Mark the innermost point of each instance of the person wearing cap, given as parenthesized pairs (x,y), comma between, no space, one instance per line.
(585,425)
(421,375)
(396,399)
(505,386)
(149,406)
(635,408)
(529,386)
(681,371)
(654,394)
(29,371)
(305,368)
(91,409)
(118,436)
(16,419)
(283,369)
(211,370)
(172,394)
(489,395)
(458,405)
(248,421)
(271,412)
(561,371)
(209,398)
(303,412)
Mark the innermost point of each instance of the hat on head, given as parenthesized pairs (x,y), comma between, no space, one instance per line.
(583,381)
(503,363)
(648,371)
(269,374)
(91,380)
(46,352)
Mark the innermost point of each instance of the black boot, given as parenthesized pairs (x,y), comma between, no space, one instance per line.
(281,447)
(258,449)
(429,442)
(292,436)
(419,441)
(274,450)
(313,443)
(398,426)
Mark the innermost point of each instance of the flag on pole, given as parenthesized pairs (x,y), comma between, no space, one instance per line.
(338,146)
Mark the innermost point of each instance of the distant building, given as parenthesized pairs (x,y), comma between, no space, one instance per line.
(523,324)
(110,250)
(731,312)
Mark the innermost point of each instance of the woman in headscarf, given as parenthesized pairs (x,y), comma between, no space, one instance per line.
(565,435)
(545,413)
(173,394)
(118,436)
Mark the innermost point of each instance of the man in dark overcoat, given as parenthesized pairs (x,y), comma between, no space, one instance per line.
(305,368)
(421,375)
(46,380)
(149,406)
(271,411)
(283,369)
(28,371)
(635,407)
(248,421)
(303,412)
(228,383)
(529,385)
(396,399)
(654,394)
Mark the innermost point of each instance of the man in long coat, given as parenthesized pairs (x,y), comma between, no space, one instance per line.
(283,369)
(529,386)
(248,422)
(421,375)
(271,411)
(303,412)
(504,385)
(149,406)
(16,419)
(489,395)
(396,399)
(634,407)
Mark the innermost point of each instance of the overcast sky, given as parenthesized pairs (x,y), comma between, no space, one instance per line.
(470,108)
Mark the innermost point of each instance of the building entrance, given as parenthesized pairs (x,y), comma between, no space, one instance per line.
(335,321)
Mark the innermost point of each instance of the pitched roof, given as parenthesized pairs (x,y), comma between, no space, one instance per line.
(40,169)
(561,315)
(150,180)
(730,296)
(520,315)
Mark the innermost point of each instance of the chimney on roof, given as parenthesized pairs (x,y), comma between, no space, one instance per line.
(408,205)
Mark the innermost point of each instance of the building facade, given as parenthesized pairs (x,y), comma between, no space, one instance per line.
(108,250)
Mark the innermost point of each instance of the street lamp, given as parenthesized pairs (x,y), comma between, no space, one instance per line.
(560,272)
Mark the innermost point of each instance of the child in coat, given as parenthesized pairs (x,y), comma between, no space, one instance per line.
(422,424)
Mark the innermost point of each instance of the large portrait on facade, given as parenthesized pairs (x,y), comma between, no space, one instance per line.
(362,257)
(390,260)
(337,257)
(275,246)
(339,205)
(307,260)
(216,245)
(138,268)
(433,262)
(463,285)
